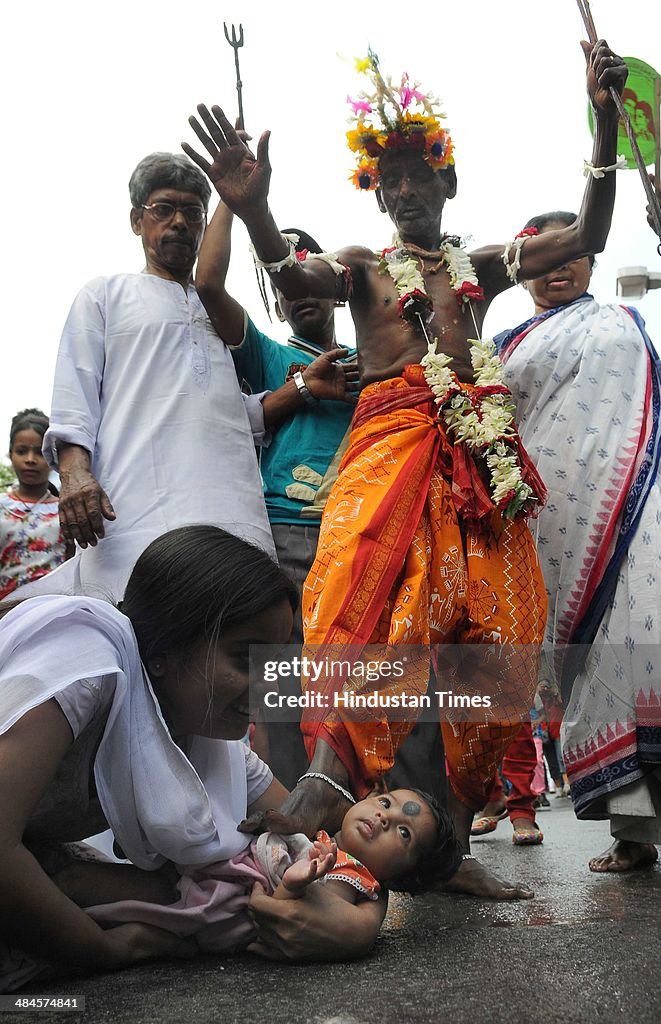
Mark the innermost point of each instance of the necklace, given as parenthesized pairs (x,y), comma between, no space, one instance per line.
(28,504)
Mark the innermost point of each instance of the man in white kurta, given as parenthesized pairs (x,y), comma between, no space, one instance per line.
(148,422)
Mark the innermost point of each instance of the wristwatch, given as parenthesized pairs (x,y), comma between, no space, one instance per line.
(303,389)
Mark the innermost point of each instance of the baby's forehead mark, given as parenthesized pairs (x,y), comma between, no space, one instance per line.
(411,808)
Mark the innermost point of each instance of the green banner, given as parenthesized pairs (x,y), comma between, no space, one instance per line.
(639,100)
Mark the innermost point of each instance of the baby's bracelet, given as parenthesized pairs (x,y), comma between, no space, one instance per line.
(331,782)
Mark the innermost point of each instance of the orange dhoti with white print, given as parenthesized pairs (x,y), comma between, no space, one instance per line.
(413,552)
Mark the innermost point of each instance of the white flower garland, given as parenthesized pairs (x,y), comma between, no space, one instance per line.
(404,272)
(483,422)
(459,265)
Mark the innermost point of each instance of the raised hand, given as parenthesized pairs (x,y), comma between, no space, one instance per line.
(604,69)
(240,178)
(321,858)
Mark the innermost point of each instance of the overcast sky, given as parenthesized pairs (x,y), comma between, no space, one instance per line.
(89,89)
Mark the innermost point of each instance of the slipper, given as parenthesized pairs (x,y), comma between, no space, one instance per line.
(488,823)
(528,838)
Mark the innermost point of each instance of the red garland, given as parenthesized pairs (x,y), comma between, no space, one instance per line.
(345,291)
(398,140)
(412,303)
(301,255)
(506,498)
(373,148)
(527,233)
(469,291)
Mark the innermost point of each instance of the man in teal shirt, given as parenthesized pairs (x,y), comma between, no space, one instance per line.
(296,462)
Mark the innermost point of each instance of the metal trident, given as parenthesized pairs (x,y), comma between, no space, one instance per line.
(236,42)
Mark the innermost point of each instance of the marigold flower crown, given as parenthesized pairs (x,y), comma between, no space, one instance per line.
(394,117)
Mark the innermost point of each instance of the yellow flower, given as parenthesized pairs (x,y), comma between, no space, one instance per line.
(412,122)
(362,64)
(359,138)
(354,137)
(366,175)
(439,149)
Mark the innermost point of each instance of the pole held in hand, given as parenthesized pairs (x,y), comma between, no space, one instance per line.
(655,208)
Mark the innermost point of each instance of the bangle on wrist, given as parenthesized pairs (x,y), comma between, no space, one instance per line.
(303,389)
(331,782)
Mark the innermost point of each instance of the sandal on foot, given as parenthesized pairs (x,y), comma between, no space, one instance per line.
(528,838)
(487,823)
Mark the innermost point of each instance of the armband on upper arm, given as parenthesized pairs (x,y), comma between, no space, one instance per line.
(512,267)
(290,260)
(343,276)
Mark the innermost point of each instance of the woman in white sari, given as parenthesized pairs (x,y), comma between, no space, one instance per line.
(133,720)
(587,385)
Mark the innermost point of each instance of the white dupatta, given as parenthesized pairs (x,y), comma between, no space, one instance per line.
(160,804)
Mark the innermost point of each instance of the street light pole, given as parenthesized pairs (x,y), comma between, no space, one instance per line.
(636,282)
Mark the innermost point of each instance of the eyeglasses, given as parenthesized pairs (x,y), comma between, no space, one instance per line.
(193,214)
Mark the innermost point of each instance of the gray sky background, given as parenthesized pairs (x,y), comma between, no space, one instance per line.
(88,90)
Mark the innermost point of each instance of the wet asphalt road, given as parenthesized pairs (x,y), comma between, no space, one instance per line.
(587,948)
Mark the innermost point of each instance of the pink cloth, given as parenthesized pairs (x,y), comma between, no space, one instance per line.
(212,905)
(538,784)
(213,900)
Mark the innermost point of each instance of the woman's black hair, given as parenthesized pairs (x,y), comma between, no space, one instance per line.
(556,217)
(28,419)
(437,864)
(194,582)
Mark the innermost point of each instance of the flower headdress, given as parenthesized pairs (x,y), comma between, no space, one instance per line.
(394,117)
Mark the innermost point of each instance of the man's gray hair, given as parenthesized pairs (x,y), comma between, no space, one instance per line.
(167,170)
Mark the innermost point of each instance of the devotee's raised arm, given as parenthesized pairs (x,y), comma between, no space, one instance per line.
(242,181)
(326,379)
(588,234)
